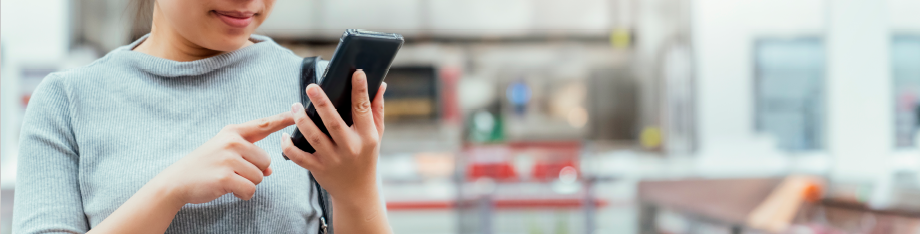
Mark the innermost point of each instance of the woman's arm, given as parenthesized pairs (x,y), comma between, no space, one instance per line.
(150,210)
(227,163)
(346,164)
(47,189)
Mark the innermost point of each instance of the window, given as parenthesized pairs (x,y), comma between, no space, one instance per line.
(789,92)
(905,71)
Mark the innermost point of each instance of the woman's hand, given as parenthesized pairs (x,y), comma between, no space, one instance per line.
(345,164)
(227,163)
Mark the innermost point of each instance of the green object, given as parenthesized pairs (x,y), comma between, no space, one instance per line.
(486,127)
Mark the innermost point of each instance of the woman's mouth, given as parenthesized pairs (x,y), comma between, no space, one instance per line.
(236,19)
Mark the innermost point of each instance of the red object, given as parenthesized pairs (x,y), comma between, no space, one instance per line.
(498,171)
(549,157)
(548,171)
(450,107)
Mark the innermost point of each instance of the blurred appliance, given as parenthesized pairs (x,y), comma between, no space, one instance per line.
(613,103)
(412,94)
(556,108)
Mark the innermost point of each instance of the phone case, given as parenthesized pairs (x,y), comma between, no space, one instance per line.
(370,51)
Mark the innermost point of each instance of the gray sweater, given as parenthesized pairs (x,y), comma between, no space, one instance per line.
(92,136)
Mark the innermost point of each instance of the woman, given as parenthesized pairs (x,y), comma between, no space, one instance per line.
(156,135)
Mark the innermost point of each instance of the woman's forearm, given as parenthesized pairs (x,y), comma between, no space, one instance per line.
(360,213)
(150,210)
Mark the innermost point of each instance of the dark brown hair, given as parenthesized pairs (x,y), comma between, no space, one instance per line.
(143,17)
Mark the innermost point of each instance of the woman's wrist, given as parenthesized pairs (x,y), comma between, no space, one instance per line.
(150,210)
(164,194)
(367,204)
(360,212)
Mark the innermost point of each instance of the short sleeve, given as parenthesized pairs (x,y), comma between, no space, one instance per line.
(47,197)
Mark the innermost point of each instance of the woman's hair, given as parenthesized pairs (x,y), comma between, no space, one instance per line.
(143,17)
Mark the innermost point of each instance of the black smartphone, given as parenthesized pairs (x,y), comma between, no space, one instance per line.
(370,51)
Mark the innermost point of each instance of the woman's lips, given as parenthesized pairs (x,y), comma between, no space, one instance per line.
(236,19)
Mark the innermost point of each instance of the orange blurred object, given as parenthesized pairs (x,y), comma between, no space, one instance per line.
(497,171)
(775,213)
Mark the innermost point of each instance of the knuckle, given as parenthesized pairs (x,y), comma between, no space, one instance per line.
(355,150)
(251,190)
(314,138)
(369,143)
(300,118)
(248,192)
(321,103)
(363,107)
(265,123)
(226,177)
(334,126)
(228,160)
(235,144)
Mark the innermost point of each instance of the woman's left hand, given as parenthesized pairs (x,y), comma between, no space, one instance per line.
(344,165)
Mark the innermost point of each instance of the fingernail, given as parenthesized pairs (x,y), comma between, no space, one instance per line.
(311,90)
(285,135)
(294,108)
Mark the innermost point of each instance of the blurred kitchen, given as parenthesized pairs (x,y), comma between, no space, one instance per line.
(592,116)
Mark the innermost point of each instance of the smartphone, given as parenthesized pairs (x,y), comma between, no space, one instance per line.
(370,51)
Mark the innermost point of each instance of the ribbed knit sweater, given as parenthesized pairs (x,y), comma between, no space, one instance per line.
(93,136)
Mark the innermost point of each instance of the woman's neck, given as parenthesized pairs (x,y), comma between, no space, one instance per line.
(168,44)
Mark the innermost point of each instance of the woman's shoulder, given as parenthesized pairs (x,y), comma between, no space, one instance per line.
(67,75)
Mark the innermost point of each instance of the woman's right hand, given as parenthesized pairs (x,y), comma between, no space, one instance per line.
(227,163)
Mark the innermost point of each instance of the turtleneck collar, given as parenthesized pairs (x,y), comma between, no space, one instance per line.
(169,68)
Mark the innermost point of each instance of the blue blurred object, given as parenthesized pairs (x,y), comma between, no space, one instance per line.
(518,94)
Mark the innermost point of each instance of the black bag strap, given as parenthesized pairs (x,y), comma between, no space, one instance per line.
(308,76)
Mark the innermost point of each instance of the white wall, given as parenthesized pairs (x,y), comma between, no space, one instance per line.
(34,34)
(860,118)
(35,30)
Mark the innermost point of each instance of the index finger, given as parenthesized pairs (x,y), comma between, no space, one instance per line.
(256,130)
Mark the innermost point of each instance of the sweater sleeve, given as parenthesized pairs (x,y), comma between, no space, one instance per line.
(47,198)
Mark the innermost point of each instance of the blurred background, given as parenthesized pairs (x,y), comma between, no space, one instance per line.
(591,116)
